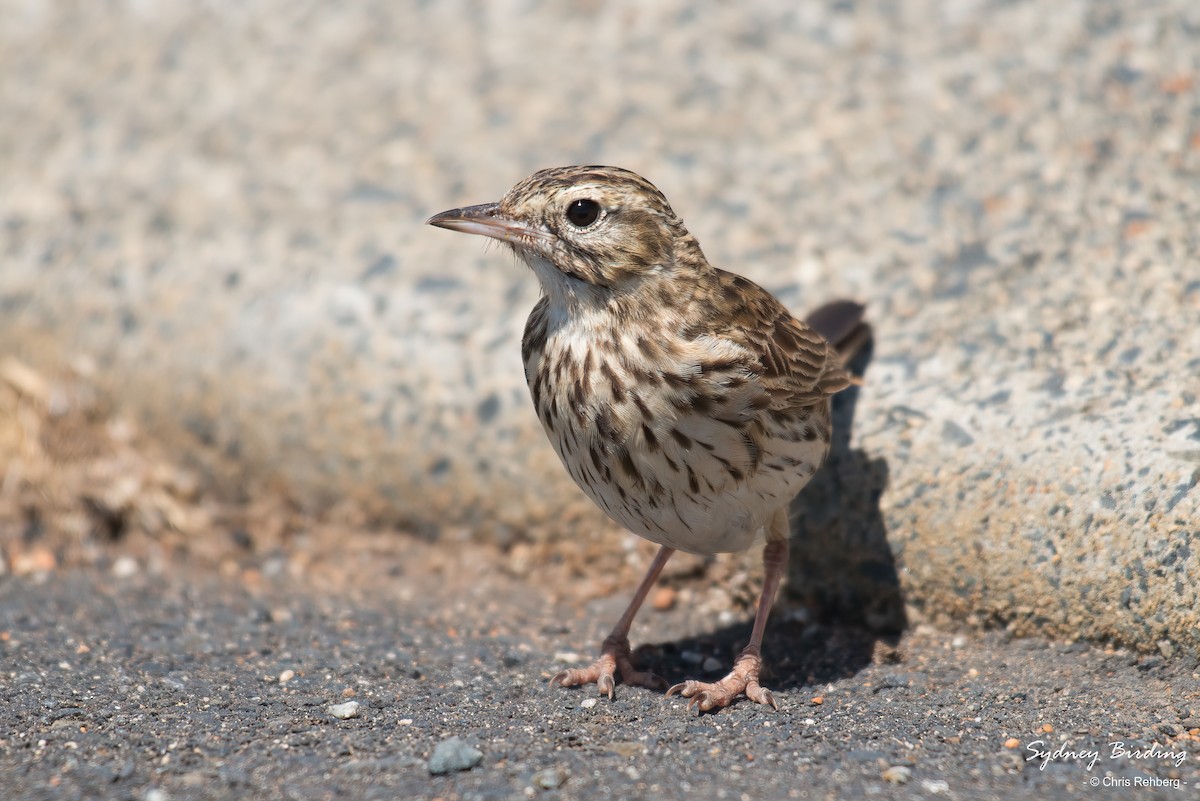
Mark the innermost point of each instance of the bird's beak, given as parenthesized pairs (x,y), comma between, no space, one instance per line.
(486,220)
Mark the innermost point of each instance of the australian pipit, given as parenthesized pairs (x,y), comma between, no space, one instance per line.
(684,400)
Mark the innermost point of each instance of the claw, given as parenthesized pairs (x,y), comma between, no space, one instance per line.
(761,695)
(614,658)
(743,679)
(565,678)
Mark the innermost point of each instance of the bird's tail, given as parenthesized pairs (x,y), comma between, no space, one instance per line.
(843,323)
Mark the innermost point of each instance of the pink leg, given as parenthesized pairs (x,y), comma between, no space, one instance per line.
(614,653)
(744,676)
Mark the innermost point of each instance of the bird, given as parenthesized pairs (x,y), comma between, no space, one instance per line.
(686,401)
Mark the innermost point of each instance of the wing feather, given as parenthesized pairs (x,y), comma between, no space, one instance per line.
(795,366)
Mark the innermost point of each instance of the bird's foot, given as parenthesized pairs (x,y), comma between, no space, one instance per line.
(742,679)
(614,657)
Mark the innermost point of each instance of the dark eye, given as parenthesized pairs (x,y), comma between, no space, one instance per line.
(583,213)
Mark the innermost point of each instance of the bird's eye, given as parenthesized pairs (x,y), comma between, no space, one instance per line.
(583,212)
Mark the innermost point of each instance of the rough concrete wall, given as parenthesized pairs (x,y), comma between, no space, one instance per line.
(218,207)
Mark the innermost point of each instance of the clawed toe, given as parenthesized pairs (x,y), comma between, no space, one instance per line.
(702,696)
(614,658)
(761,695)
(695,693)
(706,697)
(743,679)
(599,674)
(684,688)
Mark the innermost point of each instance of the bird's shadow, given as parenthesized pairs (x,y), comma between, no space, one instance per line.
(843,587)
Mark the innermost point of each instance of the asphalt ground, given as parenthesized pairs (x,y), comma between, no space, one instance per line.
(186,680)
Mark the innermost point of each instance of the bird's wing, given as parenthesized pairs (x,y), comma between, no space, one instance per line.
(796,366)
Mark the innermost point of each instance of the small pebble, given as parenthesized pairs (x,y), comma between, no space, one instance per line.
(453,754)
(801,614)
(897,774)
(959,642)
(588,703)
(935,786)
(36,560)
(1012,742)
(711,665)
(664,599)
(125,567)
(286,676)
(344,711)
(550,778)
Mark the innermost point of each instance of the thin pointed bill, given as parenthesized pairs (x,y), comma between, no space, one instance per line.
(487,220)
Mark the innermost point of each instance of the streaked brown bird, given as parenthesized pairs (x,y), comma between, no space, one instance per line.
(684,400)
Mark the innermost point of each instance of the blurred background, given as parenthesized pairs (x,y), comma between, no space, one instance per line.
(223,320)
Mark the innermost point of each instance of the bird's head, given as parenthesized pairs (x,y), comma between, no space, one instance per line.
(605,227)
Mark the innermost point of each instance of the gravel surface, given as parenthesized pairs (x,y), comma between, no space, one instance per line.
(184,684)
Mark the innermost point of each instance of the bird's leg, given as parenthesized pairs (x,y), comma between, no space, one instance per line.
(744,676)
(615,653)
